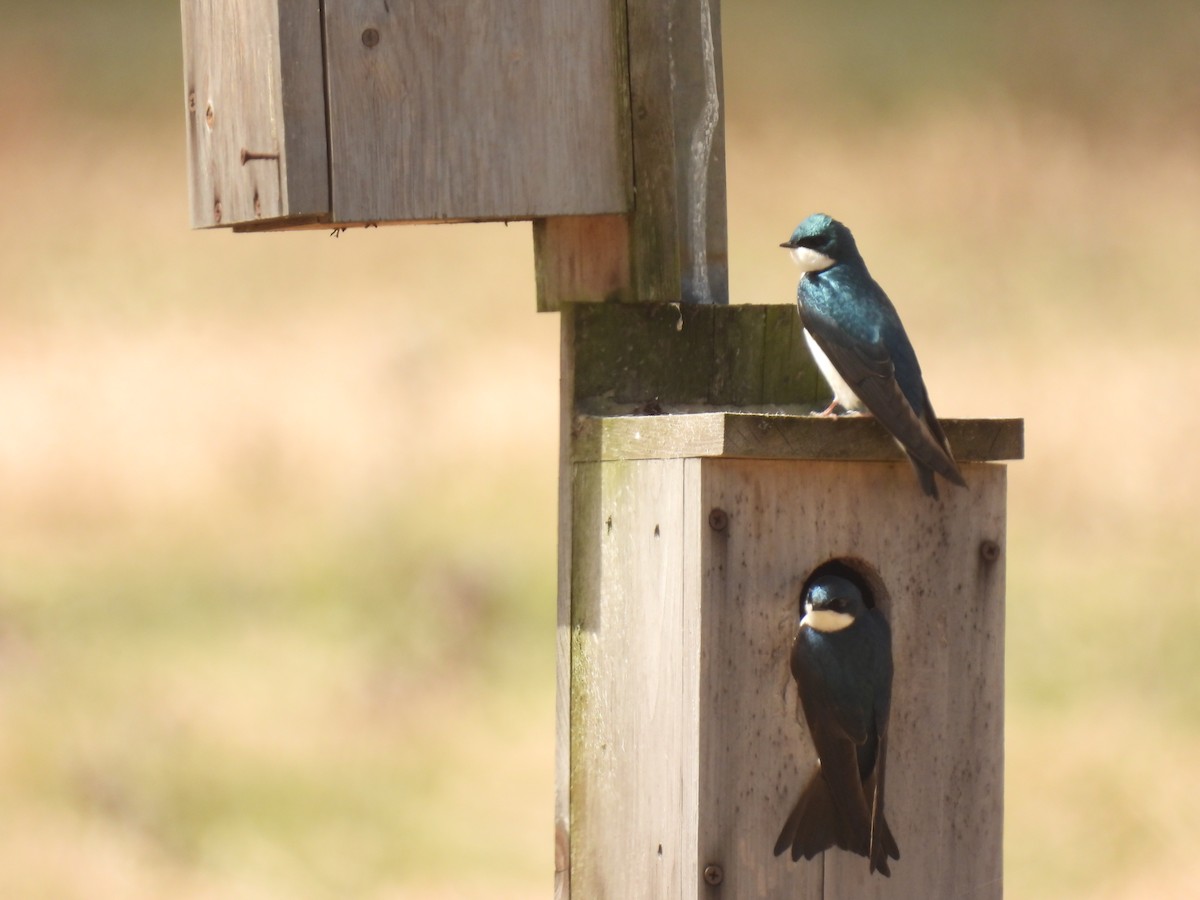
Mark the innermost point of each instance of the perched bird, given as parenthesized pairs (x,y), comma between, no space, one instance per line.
(842,663)
(861,348)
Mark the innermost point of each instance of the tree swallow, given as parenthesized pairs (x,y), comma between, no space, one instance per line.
(842,663)
(861,348)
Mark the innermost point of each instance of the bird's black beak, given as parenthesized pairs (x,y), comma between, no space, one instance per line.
(788,245)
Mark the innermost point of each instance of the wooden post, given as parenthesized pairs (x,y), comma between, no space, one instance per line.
(679,747)
(671,247)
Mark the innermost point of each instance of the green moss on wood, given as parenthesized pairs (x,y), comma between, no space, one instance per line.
(652,357)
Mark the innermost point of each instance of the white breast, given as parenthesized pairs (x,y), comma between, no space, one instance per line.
(841,391)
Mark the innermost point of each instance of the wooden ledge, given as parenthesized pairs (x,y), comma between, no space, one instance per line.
(774,436)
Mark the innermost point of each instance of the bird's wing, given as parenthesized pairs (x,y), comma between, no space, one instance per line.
(882,843)
(836,734)
(935,428)
(868,368)
(818,703)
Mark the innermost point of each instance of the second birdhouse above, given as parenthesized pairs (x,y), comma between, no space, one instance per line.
(392,110)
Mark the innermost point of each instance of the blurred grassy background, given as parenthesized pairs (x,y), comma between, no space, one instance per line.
(277,511)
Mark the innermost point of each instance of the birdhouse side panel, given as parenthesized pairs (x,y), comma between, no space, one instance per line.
(634,652)
(483,109)
(305,145)
(254,111)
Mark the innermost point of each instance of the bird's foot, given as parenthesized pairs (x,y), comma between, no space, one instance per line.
(836,411)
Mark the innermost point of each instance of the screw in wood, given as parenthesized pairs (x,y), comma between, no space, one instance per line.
(718,519)
(713,874)
(370,37)
(989,551)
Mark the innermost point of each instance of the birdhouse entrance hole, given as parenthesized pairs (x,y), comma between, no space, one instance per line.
(861,573)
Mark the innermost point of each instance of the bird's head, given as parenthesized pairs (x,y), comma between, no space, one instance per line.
(832,603)
(820,242)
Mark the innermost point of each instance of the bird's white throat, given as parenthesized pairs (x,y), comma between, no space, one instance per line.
(826,620)
(810,260)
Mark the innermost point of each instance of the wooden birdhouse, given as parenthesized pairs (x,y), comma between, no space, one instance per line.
(353,112)
(693,534)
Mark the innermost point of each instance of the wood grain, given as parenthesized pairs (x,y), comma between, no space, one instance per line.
(562,635)
(946,609)
(635,652)
(255,112)
(479,109)
(679,244)
(581,259)
(779,436)
(631,356)
(674,248)
(687,745)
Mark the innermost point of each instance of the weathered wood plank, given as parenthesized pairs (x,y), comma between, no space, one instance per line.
(688,749)
(946,609)
(482,109)
(304,165)
(646,356)
(752,760)
(679,247)
(580,259)
(631,726)
(648,437)
(643,353)
(562,658)
(674,247)
(776,436)
(691,628)
(254,94)
(781,376)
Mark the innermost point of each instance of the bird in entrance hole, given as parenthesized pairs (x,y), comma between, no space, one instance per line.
(861,348)
(842,663)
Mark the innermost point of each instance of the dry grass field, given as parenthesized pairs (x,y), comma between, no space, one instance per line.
(277,511)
